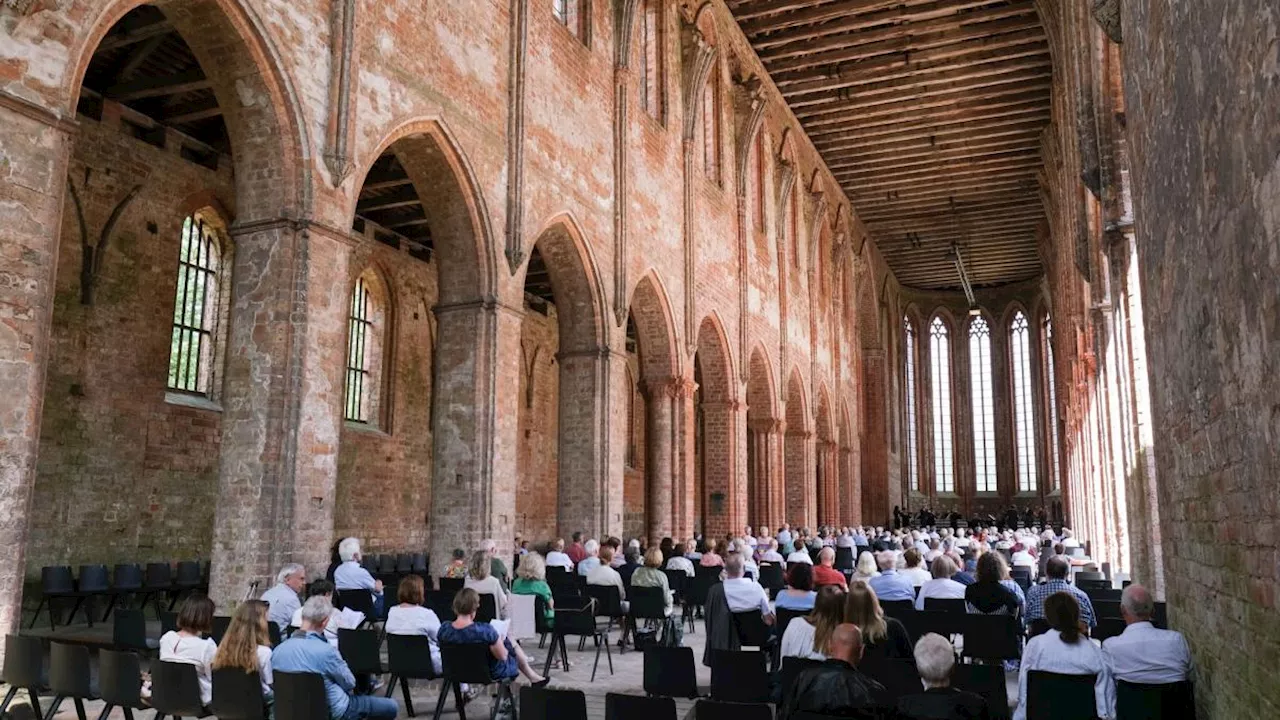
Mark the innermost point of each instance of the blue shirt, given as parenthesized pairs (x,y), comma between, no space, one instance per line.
(1038,593)
(790,602)
(588,564)
(311,653)
(351,576)
(282,601)
(892,586)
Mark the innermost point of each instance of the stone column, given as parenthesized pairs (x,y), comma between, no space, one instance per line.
(590,485)
(282,404)
(850,509)
(33,164)
(660,444)
(684,478)
(875,447)
(776,440)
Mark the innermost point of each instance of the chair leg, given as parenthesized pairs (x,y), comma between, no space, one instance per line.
(555,642)
(542,640)
(75,609)
(608,654)
(35,617)
(404,687)
(111,604)
(391,686)
(128,713)
(444,695)
(53,708)
(106,712)
(459,702)
(515,706)
(80,709)
(8,698)
(35,701)
(597,662)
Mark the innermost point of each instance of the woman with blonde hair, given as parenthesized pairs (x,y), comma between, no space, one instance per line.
(247,645)
(809,637)
(481,579)
(531,579)
(882,637)
(867,567)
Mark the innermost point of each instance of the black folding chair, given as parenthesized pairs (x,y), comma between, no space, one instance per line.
(359,600)
(608,604)
(452,586)
(168,622)
(189,579)
(175,690)
(557,577)
(386,565)
(1107,628)
(299,696)
(23,661)
(650,605)
(945,605)
(898,676)
(1107,594)
(126,580)
(844,559)
(992,637)
(670,672)
(1139,701)
(488,610)
(362,650)
(1054,696)
(404,564)
(539,703)
(772,578)
(219,629)
(69,676)
(900,609)
(1039,626)
(1022,576)
(369,563)
(120,682)
(638,707)
(237,695)
(678,582)
(418,566)
(441,603)
(696,597)
(579,622)
(129,631)
(408,658)
(791,668)
(987,681)
(753,632)
(158,585)
(716,710)
(468,664)
(92,584)
(739,676)
(56,583)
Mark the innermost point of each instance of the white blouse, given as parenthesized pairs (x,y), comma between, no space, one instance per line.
(797,641)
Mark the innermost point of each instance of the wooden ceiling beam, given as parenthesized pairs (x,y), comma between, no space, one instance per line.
(997,143)
(939,221)
(892,89)
(943,199)
(970,171)
(159,86)
(931,136)
(871,27)
(375,205)
(959,113)
(972,99)
(930,96)
(891,166)
(386,184)
(885,218)
(800,12)
(192,116)
(137,35)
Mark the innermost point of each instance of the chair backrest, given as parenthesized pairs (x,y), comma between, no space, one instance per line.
(93,579)
(752,630)
(159,576)
(540,703)
(359,600)
(556,576)
(404,563)
(638,707)
(670,672)
(576,620)
(175,689)
(69,670)
(452,586)
(189,574)
(844,558)
(488,611)
(298,696)
(791,668)
(772,577)
(540,624)
(387,564)
(1039,626)
(647,603)
(718,710)
(1054,696)
(1108,627)
(409,656)
(441,603)
(369,563)
(1138,701)
(129,629)
(521,609)
(1106,608)
(898,676)
(703,579)
(899,609)
(1022,576)
(219,630)
(1107,594)
(677,580)
(361,649)
(56,579)
(127,576)
(785,616)
(418,564)
(23,659)
(987,681)
(168,621)
(608,600)
(237,695)
(1091,576)
(120,678)
(273,632)
(739,676)
(466,663)
(992,637)
(955,605)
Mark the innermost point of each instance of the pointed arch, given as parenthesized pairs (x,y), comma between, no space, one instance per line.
(720,497)
(656,328)
(800,479)
(575,281)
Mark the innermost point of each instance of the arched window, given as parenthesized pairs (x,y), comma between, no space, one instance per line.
(711,127)
(757,182)
(196,309)
(913,460)
(940,365)
(571,14)
(1052,394)
(365,327)
(793,227)
(1024,430)
(982,400)
(651,54)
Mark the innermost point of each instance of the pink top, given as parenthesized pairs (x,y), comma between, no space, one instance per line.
(710,559)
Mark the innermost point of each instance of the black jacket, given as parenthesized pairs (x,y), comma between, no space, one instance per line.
(836,688)
(944,704)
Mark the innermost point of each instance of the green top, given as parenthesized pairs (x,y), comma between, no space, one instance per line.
(535,587)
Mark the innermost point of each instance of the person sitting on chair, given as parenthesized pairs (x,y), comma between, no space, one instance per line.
(605,576)
(480,580)
(457,567)
(1143,653)
(915,571)
(247,645)
(651,576)
(799,593)
(189,645)
(1065,649)
(308,652)
(866,567)
(1056,569)
(678,561)
(890,585)
(556,556)
(809,637)
(507,659)
(531,579)
(941,586)
(411,618)
(835,687)
(283,597)
(350,575)
(825,573)
(935,659)
(882,637)
(344,618)
(591,560)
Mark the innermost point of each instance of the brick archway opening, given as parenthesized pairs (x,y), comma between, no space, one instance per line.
(764,434)
(660,389)
(800,490)
(825,469)
(718,505)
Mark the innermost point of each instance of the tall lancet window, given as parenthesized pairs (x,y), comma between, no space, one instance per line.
(944,479)
(912,449)
(1024,427)
(982,400)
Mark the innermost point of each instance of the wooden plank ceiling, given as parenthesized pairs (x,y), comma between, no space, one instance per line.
(929,114)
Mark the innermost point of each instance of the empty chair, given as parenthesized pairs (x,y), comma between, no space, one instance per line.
(126,580)
(538,703)
(168,622)
(1054,696)
(451,586)
(638,707)
(55,583)
(739,676)
(944,605)
(1091,576)
(361,649)
(1103,594)
(129,631)
(408,658)
(69,676)
(190,576)
(987,681)
(404,563)
(175,690)
(92,584)
(771,578)
(752,630)
(844,558)
(1139,701)
(670,672)
(418,566)
(387,565)
(488,611)
(717,710)
(370,563)
(220,625)
(677,581)
(23,660)
(466,664)
(1022,576)
(579,622)
(299,696)
(157,585)
(237,695)
(899,609)
(120,682)
(991,637)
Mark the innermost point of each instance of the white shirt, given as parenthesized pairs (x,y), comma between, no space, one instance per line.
(1144,653)
(800,556)
(941,588)
(681,563)
(605,576)
(492,586)
(192,650)
(917,575)
(742,594)
(345,618)
(797,641)
(1023,558)
(555,558)
(415,620)
(1049,653)
(844,541)
(264,669)
(772,556)
(1070,542)
(281,601)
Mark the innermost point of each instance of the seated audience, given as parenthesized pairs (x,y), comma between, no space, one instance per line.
(742,593)
(692,550)
(344,618)
(627,569)
(713,556)
(800,554)
(557,557)
(189,645)
(866,568)
(479,579)
(282,599)
(988,595)
(890,585)
(941,586)
(799,594)
(350,575)
(531,579)
(247,645)
(307,652)
(836,688)
(410,618)
(507,658)
(606,576)
(497,567)
(810,637)
(935,659)
(770,554)
(1024,559)
(678,561)
(882,637)
(735,594)
(969,575)
(651,575)
(1143,653)
(591,560)
(457,567)
(825,573)
(1065,649)
(1056,572)
(914,570)
(577,552)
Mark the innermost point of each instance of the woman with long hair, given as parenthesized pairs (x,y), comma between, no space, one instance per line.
(1064,649)
(247,645)
(867,568)
(882,637)
(809,637)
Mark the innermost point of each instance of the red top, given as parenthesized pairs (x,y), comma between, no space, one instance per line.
(823,575)
(576,553)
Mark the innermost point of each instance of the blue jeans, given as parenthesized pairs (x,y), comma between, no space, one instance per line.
(364,707)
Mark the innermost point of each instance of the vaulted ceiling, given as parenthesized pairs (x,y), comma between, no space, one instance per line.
(929,114)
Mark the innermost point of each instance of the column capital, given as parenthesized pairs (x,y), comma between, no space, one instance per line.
(677,388)
(770,426)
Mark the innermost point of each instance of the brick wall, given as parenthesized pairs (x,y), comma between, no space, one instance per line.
(539,438)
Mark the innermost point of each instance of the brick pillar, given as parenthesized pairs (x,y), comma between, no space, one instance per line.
(724,445)
(850,508)
(684,478)
(875,447)
(776,444)
(588,481)
(801,480)
(34,168)
(829,502)
(282,415)
(476,396)
(660,460)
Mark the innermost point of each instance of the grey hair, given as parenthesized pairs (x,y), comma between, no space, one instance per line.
(886,559)
(1137,600)
(316,610)
(288,570)
(935,658)
(591,546)
(733,565)
(488,545)
(348,549)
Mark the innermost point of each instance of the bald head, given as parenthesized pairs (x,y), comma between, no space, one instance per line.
(1136,604)
(846,643)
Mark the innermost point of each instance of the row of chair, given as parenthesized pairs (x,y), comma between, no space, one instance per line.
(158,583)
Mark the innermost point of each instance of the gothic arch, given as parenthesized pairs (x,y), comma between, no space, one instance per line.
(656,329)
(575,281)
(719,502)
(800,488)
